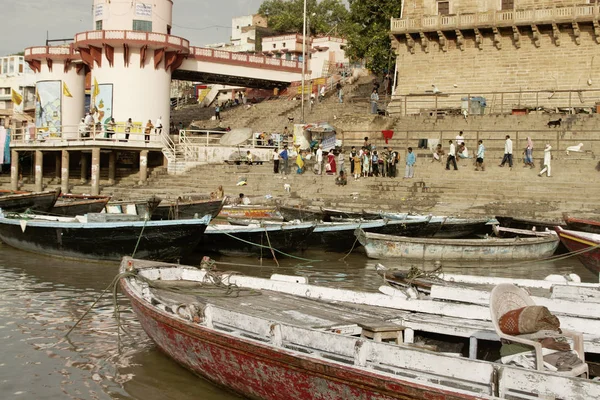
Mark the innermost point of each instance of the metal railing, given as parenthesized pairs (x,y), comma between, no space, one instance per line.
(569,101)
(577,13)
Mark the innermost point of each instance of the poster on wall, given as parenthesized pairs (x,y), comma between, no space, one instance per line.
(48,96)
(103,102)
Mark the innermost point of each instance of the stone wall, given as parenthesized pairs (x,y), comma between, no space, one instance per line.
(505,66)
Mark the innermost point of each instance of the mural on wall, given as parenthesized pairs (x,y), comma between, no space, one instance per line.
(102,102)
(48,103)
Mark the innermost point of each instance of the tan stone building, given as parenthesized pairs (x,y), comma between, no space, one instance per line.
(515,53)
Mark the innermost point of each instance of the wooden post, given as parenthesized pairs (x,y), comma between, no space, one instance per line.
(84,167)
(64,172)
(143,166)
(14,170)
(39,163)
(95,171)
(112,167)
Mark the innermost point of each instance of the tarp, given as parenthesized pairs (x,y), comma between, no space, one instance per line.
(236,136)
(319,127)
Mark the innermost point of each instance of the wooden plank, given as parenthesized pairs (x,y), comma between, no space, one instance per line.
(490,280)
(576,293)
(473,296)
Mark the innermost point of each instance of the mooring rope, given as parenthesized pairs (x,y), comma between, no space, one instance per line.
(267,247)
(139,238)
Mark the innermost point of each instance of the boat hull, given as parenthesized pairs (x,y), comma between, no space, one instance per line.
(250,212)
(583,225)
(35,201)
(239,242)
(578,241)
(527,224)
(387,246)
(187,210)
(263,372)
(301,213)
(105,241)
(79,207)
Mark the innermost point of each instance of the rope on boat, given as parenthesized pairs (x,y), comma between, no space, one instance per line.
(268,247)
(139,238)
(271,247)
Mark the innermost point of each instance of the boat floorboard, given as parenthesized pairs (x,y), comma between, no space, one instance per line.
(288,308)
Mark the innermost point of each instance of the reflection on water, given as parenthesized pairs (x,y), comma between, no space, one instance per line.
(41,298)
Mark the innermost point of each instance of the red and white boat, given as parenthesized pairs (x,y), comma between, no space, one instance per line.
(582,224)
(585,242)
(282,338)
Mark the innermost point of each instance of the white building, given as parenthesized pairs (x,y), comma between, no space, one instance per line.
(246,34)
(15,75)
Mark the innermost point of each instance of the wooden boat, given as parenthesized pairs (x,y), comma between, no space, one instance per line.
(301,341)
(528,224)
(254,212)
(34,201)
(71,205)
(251,240)
(184,209)
(491,249)
(301,213)
(586,244)
(101,236)
(447,227)
(142,208)
(330,214)
(581,224)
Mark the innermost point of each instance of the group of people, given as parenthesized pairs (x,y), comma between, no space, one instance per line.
(87,126)
(457,150)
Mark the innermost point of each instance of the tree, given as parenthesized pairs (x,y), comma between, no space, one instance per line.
(368,31)
(325,16)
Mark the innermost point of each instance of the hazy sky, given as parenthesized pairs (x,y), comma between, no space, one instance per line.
(25,22)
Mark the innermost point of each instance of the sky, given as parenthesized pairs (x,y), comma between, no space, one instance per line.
(25,22)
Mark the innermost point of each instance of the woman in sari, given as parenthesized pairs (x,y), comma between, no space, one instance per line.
(357,163)
(332,167)
(300,163)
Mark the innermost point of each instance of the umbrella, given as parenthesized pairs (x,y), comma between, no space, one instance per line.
(236,136)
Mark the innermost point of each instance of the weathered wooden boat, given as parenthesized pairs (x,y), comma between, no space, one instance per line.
(34,201)
(142,208)
(71,205)
(490,249)
(184,209)
(447,227)
(294,340)
(301,213)
(101,236)
(331,213)
(252,240)
(587,246)
(582,224)
(250,212)
(528,224)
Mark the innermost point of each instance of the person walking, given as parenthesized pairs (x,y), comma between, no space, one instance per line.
(508,153)
(320,160)
(374,100)
(411,159)
(147,130)
(451,156)
(217,112)
(480,156)
(547,160)
(275,161)
(528,159)
(128,128)
(340,91)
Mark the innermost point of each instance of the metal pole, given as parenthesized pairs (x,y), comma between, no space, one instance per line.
(303,63)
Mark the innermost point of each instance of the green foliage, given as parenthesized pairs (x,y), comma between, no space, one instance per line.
(368,32)
(330,16)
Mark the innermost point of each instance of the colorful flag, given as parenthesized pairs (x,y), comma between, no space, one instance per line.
(96,91)
(66,91)
(16,97)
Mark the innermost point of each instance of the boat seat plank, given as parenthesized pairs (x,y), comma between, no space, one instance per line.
(576,294)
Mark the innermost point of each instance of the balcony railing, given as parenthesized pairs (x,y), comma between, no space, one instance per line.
(43,51)
(497,18)
(250,59)
(151,37)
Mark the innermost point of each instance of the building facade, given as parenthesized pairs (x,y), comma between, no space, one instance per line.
(539,53)
(17,82)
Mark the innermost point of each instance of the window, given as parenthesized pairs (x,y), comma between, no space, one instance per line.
(443,7)
(508,4)
(142,26)
(99,25)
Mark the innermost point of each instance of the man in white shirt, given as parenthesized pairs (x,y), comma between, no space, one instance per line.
(320,159)
(508,153)
(547,160)
(460,138)
(451,156)
(158,126)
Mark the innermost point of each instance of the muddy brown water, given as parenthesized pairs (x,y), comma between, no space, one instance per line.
(41,298)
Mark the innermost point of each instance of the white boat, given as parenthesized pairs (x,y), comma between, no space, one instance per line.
(488,249)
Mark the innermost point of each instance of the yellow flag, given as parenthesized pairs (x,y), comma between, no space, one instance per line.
(96,91)
(16,97)
(66,91)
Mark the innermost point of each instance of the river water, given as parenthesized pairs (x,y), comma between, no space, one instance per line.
(41,298)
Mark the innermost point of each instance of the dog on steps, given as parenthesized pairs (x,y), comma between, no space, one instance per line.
(555,123)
